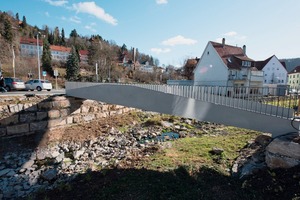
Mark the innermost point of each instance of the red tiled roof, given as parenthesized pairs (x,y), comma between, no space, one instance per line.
(60,48)
(30,41)
(226,51)
(84,52)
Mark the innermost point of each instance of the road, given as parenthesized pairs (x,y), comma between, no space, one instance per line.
(23,93)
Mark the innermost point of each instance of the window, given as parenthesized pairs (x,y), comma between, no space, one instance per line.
(208,53)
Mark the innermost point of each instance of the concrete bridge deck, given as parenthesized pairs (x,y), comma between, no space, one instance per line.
(201,103)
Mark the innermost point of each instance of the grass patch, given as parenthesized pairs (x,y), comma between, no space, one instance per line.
(196,151)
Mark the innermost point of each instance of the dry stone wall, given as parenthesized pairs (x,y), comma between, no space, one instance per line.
(31,114)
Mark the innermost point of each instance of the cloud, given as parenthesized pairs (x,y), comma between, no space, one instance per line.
(47,14)
(91,26)
(160,50)
(92,9)
(179,40)
(75,19)
(56,3)
(161,1)
(232,38)
(231,33)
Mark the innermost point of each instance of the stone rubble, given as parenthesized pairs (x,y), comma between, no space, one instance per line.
(45,168)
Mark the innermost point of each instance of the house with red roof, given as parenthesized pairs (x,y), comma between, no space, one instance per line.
(84,56)
(30,46)
(60,53)
(226,65)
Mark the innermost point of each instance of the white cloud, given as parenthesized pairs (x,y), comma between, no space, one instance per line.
(179,40)
(231,33)
(75,19)
(90,28)
(161,1)
(160,50)
(47,14)
(232,38)
(92,9)
(56,3)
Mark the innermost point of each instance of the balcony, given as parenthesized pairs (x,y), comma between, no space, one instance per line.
(237,77)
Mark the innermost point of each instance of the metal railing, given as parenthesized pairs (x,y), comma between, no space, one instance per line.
(269,101)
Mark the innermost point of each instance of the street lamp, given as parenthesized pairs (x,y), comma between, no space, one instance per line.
(14,69)
(38,54)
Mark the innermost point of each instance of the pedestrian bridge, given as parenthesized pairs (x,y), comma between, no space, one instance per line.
(251,108)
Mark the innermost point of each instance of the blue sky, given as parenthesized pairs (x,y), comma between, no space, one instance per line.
(174,30)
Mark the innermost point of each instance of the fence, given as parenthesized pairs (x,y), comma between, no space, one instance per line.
(265,100)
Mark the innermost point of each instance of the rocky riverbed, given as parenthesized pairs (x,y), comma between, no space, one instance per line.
(60,155)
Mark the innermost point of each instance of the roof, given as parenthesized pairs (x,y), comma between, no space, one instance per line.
(226,51)
(295,70)
(261,64)
(60,48)
(84,52)
(30,41)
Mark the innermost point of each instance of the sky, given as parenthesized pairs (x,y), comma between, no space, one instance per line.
(174,30)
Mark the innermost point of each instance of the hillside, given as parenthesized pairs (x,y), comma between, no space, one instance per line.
(109,56)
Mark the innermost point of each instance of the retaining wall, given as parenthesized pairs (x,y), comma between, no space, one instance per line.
(29,115)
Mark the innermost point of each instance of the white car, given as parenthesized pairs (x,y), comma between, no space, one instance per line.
(38,85)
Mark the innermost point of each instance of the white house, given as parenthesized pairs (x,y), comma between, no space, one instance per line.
(274,72)
(226,65)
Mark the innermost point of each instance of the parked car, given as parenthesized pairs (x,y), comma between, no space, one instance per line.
(36,84)
(14,84)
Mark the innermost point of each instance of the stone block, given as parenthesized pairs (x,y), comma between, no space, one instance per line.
(69,120)
(88,117)
(45,105)
(53,114)
(85,109)
(283,152)
(17,129)
(14,108)
(61,104)
(30,107)
(41,115)
(101,115)
(38,126)
(13,119)
(27,117)
(56,122)
(65,112)
(77,119)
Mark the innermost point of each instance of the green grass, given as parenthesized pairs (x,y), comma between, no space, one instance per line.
(196,151)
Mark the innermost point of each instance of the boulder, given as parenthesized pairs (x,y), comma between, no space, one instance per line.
(283,152)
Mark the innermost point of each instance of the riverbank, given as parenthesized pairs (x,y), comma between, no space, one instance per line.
(106,159)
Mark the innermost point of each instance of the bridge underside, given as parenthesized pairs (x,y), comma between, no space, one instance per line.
(150,100)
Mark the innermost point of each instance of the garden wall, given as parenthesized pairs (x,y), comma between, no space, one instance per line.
(26,115)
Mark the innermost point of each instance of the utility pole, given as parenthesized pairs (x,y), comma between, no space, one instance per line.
(13,54)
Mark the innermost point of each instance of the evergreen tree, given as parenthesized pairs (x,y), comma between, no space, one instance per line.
(7,32)
(24,23)
(63,40)
(56,36)
(72,69)
(46,58)
(17,17)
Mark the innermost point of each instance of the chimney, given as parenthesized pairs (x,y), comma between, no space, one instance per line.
(223,42)
(244,49)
